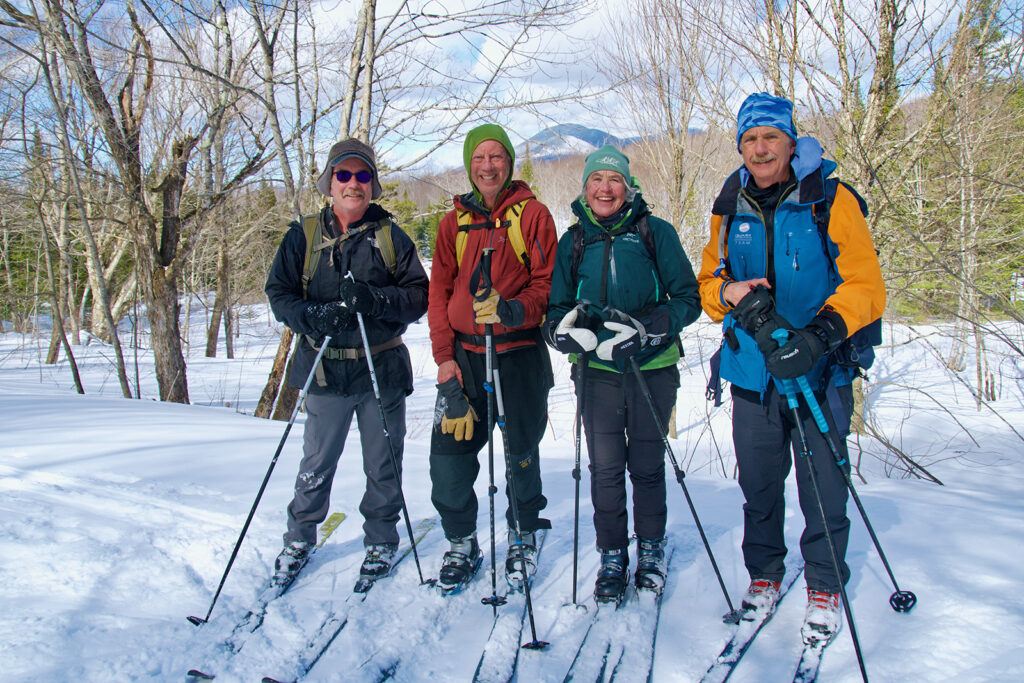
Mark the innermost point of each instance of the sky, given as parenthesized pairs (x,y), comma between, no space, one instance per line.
(118,517)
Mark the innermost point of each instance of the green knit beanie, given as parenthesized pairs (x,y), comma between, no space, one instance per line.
(488,131)
(607,159)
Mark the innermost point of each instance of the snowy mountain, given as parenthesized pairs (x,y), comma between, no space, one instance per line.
(119,516)
(566,139)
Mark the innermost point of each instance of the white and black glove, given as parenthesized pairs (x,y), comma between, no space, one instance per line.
(564,336)
(632,335)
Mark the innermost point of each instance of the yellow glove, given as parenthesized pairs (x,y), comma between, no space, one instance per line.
(487,310)
(460,427)
(457,416)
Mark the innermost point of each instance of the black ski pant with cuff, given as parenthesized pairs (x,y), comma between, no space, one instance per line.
(328,419)
(767,442)
(454,465)
(622,435)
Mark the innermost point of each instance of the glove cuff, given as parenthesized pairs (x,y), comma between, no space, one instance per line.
(830,328)
(511,312)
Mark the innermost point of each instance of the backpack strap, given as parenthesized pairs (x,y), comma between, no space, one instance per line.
(512,223)
(386,245)
(580,243)
(314,231)
(313,228)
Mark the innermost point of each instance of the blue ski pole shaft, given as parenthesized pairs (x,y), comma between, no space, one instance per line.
(900,601)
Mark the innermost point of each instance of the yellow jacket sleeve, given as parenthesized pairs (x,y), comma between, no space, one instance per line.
(710,286)
(860,297)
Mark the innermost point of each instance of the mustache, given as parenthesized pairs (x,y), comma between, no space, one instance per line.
(764,158)
(353,193)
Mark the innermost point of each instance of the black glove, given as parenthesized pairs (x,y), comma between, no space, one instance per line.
(362,298)
(563,335)
(807,346)
(753,310)
(329,317)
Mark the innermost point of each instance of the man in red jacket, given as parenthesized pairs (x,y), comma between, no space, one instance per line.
(503,215)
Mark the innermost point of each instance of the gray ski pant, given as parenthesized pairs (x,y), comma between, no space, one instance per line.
(763,436)
(328,418)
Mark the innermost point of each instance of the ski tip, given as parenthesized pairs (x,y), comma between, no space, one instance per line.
(196,621)
(196,673)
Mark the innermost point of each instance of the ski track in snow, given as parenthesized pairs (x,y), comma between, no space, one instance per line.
(118,518)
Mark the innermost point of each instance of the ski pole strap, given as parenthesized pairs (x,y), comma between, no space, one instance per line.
(480,280)
(812,403)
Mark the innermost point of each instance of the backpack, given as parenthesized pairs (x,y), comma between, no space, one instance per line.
(858,350)
(315,243)
(513,222)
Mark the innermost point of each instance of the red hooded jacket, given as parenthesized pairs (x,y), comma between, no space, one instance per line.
(450,308)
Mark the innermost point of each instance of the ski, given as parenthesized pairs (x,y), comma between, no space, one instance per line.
(638,660)
(810,661)
(253,619)
(744,635)
(595,646)
(336,621)
(500,655)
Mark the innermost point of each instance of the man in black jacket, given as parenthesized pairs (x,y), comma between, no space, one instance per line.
(354,273)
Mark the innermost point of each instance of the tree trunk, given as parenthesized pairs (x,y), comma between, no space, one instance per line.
(165,337)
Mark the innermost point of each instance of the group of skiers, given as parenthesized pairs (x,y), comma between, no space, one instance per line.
(789,269)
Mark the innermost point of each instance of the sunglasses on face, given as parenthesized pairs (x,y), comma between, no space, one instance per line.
(361,176)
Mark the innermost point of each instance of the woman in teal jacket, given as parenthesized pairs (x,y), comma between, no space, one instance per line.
(621,291)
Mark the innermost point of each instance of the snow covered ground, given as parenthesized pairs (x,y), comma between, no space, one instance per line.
(118,517)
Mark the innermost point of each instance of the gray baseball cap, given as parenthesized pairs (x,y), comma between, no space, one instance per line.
(342,150)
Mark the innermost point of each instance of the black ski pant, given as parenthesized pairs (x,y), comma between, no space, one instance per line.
(454,465)
(622,435)
(328,418)
(763,435)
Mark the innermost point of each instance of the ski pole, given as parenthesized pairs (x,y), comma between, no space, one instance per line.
(900,601)
(387,434)
(485,269)
(680,475)
(582,361)
(789,389)
(199,621)
(494,386)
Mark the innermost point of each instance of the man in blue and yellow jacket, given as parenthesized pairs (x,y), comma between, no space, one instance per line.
(768,259)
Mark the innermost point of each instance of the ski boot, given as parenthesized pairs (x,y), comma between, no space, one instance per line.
(650,564)
(519,554)
(612,576)
(376,565)
(291,560)
(822,619)
(759,600)
(459,564)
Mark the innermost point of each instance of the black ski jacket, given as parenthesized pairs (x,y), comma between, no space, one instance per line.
(406,292)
